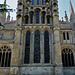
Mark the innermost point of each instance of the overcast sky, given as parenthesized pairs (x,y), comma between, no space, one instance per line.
(63,6)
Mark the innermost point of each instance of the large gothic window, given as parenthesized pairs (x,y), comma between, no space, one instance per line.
(31,17)
(5,56)
(48,19)
(37,47)
(43,18)
(37,16)
(27,48)
(32,2)
(67,58)
(42,2)
(26,19)
(37,2)
(46,47)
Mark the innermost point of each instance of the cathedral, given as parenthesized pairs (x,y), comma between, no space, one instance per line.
(37,42)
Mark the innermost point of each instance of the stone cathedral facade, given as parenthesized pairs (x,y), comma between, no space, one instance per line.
(37,43)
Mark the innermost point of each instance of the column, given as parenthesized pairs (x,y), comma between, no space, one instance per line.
(24,40)
(42,48)
(57,46)
(32,48)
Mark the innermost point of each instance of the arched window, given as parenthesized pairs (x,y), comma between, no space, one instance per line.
(37,47)
(64,38)
(37,2)
(67,35)
(67,58)
(27,48)
(48,19)
(46,47)
(31,17)
(26,19)
(42,2)
(43,18)
(32,2)
(37,16)
(5,56)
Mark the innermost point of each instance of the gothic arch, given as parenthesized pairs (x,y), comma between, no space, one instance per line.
(37,28)
(69,47)
(46,29)
(28,28)
(37,8)
(6,45)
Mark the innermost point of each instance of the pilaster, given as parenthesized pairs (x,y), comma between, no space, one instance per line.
(32,48)
(42,48)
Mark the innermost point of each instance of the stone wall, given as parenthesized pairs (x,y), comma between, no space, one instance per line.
(36,71)
(4,71)
(69,70)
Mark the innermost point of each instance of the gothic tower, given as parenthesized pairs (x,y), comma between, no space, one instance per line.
(37,34)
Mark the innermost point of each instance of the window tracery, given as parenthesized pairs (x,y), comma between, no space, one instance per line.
(5,56)
(46,47)
(67,58)
(37,47)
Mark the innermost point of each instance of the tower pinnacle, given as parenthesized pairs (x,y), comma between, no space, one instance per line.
(71,10)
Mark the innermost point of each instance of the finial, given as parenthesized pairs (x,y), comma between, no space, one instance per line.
(66,18)
(62,19)
(12,19)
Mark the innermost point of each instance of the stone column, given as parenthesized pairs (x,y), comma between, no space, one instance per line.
(50,47)
(23,47)
(42,48)
(58,59)
(31,48)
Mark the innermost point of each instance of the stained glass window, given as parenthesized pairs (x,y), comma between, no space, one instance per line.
(48,19)
(31,17)
(27,48)
(37,2)
(46,47)
(37,47)
(42,2)
(26,19)
(37,16)
(43,18)
(32,2)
